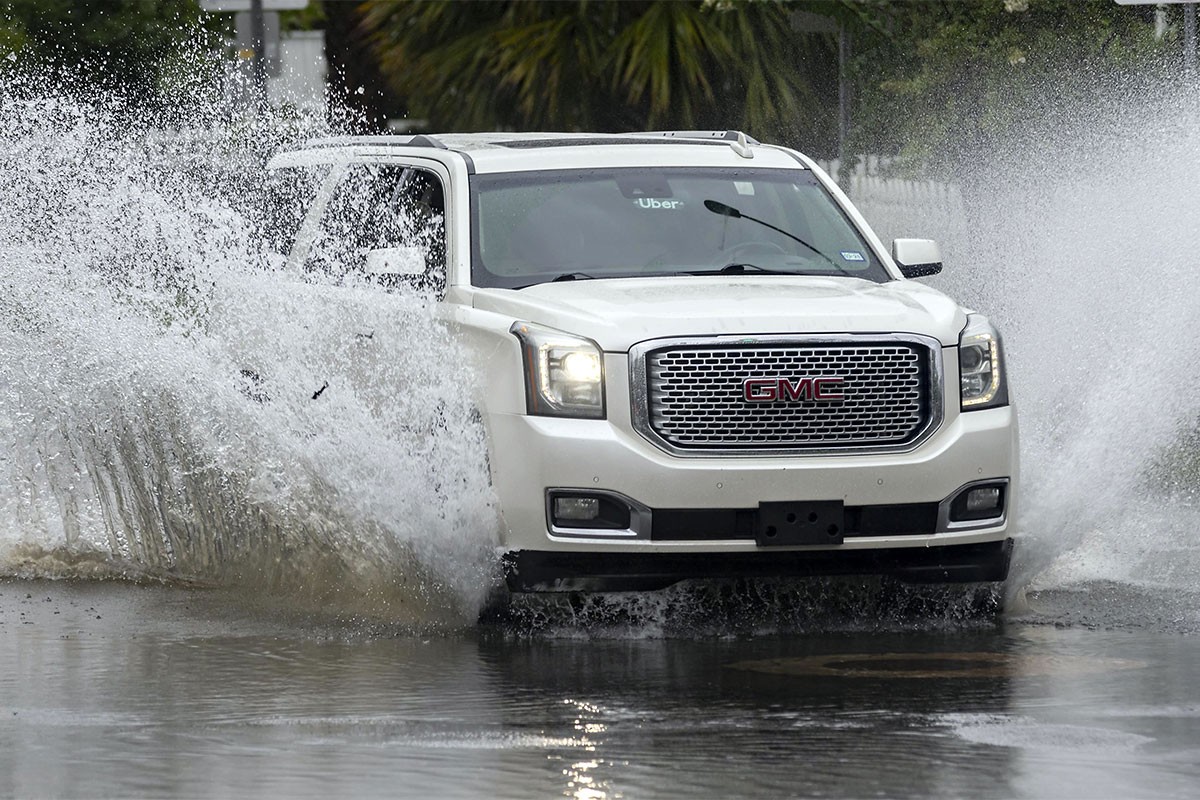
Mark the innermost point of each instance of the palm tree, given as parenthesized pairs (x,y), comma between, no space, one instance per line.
(606,65)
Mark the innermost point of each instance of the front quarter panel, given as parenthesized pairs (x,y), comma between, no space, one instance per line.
(493,357)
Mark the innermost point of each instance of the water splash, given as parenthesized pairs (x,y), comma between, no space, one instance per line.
(1079,237)
(753,607)
(1081,243)
(173,406)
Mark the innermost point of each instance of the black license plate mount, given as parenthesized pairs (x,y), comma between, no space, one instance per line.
(800,522)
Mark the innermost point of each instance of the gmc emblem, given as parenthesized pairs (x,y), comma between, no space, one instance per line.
(770,390)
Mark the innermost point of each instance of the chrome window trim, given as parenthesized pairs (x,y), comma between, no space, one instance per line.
(639,391)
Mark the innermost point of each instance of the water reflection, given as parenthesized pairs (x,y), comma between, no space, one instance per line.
(694,711)
(581,784)
(134,691)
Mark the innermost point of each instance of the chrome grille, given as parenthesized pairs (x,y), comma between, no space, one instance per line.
(694,397)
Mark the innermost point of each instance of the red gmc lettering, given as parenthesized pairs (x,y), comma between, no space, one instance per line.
(800,390)
(768,390)
(760,390)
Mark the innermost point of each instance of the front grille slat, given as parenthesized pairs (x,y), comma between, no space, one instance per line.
(694,396)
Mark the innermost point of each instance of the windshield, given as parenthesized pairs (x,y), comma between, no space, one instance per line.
(535,227)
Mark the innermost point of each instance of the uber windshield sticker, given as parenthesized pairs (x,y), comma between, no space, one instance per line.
(853,255)
(651,202)
(744,187)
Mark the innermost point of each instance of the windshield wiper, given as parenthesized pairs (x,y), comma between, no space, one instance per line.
(571,276)
(566,276)
(739,268)
(717,207)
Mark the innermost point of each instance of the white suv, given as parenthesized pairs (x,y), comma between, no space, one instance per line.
(698,360)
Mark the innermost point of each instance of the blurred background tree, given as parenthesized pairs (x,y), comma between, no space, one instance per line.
(606,66)
(104,46)
(938,82)
(932,80)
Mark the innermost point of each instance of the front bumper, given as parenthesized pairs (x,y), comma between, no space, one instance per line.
(531,456)
(542,571)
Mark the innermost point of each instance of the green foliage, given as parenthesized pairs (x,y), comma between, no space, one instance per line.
(603,66)
(937,87)
(933,79)
(111,46)
(310,17)
(12,38)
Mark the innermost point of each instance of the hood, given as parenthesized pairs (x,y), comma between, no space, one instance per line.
(618,313)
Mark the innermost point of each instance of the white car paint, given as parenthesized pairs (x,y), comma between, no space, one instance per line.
(530,455)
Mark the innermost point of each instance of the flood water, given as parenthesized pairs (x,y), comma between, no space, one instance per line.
(246,530)
(110,689)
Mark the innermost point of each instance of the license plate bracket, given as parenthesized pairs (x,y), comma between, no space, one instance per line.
(801,522)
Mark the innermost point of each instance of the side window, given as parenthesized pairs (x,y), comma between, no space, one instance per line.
(379,206)
(289,193)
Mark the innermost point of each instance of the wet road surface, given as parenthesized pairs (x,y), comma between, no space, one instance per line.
(110,689)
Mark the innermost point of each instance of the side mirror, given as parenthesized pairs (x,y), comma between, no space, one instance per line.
(396,261)
(917,258)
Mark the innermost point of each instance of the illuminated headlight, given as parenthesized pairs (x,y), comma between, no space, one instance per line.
(564,374)
(980,366)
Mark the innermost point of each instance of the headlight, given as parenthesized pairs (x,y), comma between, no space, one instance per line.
(980,366)
(564,374)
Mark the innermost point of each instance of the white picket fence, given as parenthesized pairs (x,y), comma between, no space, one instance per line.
(898,207)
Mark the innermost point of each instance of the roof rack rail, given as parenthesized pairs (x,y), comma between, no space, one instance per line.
(415,140)
(729,136)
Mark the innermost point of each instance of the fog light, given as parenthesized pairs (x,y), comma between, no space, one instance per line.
(986,498)
(982,501)
(569,510)
(576,509)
